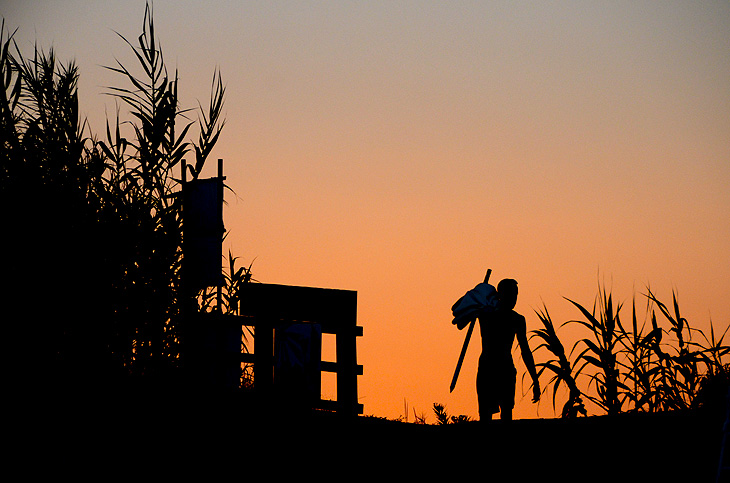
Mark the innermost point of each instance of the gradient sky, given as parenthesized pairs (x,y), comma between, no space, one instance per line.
(400,149)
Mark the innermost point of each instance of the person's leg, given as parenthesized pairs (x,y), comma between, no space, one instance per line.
(507,395)
(485,397)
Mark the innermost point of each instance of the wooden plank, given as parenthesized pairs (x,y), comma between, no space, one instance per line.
(248,358)
(329,405)
(249,321)
(332,308)
(328,366)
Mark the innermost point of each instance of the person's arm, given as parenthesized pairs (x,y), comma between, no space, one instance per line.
(527,357)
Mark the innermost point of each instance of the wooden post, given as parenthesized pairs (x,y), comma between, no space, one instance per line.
(263,367)
(346,350)
(219,298)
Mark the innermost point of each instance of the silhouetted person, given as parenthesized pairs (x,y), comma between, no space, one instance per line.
(497,375)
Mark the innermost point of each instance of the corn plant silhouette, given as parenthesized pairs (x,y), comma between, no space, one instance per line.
(679,363)
(643,368)
(639,364)
(563,372)
(96,226)
(601,351)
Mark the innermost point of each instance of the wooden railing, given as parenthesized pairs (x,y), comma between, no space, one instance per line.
(268,308)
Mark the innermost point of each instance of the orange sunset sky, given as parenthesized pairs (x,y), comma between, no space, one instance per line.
(399,149)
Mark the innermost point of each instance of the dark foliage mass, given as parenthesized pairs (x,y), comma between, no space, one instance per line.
(93,226)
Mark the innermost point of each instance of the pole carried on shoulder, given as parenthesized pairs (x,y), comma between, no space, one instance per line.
(466,343)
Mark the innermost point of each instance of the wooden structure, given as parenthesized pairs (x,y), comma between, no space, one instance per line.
(269,307)
(213,349)
(207,339)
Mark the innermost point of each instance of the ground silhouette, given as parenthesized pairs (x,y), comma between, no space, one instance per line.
(226,437)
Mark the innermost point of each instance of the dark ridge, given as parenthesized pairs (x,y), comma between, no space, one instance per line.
(225,436)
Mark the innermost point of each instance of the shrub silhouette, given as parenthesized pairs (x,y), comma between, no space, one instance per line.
(443,418)
(94,226)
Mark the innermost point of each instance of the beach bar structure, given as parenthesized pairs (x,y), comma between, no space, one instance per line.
(288,322)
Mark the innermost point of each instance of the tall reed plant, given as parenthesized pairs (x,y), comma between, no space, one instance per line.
(95,225)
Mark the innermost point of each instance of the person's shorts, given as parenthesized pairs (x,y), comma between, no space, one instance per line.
(495,389)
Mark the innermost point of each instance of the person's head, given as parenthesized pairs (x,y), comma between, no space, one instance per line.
(507,293)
